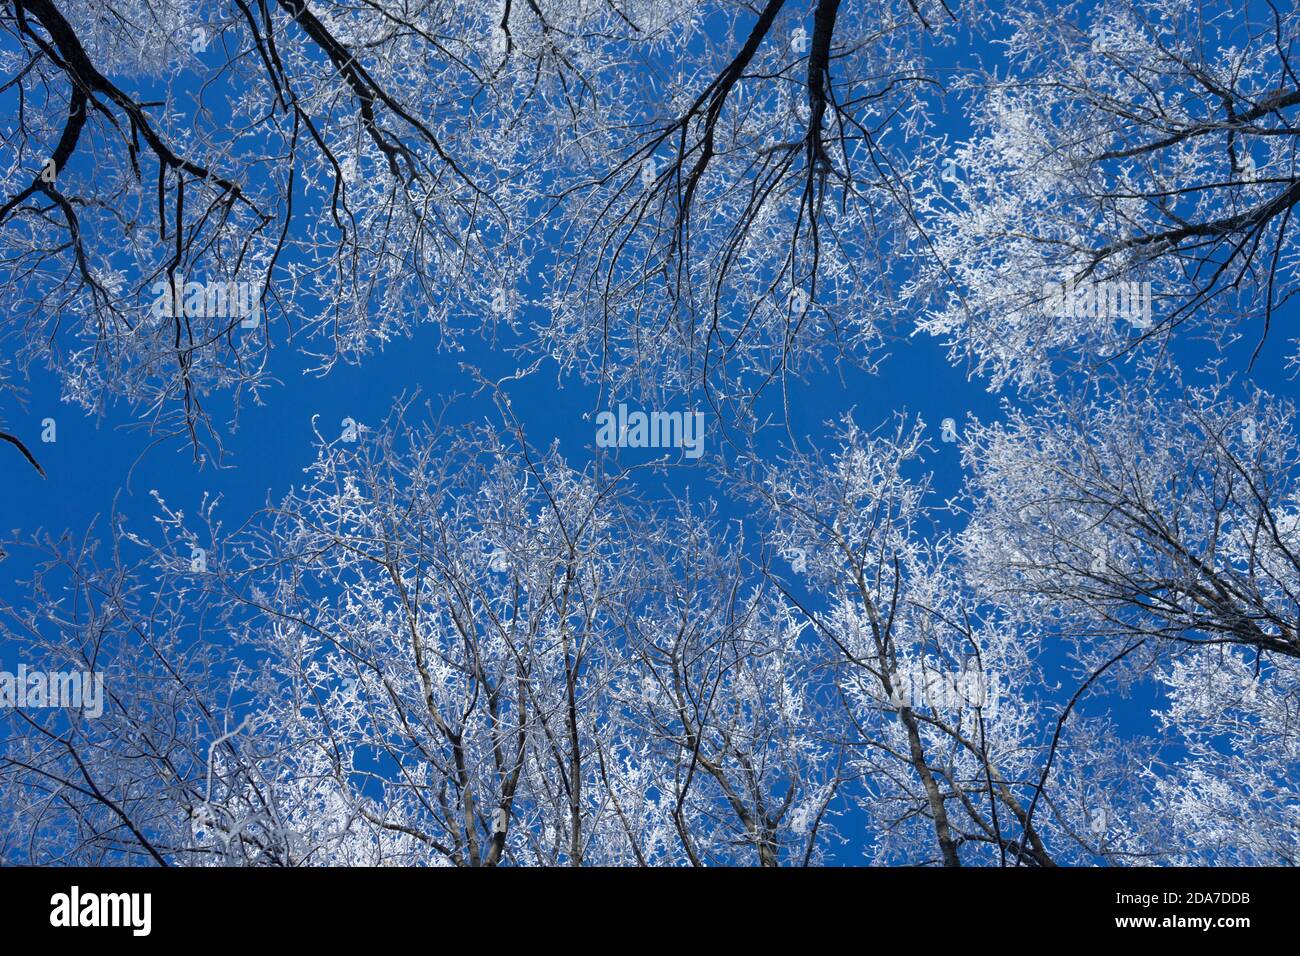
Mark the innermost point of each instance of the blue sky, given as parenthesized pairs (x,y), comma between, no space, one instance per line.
(87,467)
